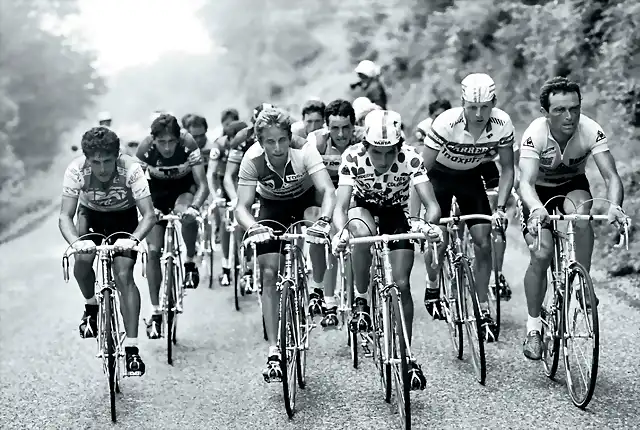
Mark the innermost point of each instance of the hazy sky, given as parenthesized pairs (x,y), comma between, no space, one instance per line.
(133,32)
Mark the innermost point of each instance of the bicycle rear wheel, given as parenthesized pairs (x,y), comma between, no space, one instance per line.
(400,368)
(450,306)
(494,292)
(208,255)
(168,310)
(288,350)
(109,348)
(551,315)
(471,317)
(381,341)
(580,327)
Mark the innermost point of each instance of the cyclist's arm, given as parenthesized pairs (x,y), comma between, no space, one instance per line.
(505,183)
(201,183)
(246,197)
(322,183)
(427,196)
(343,199)
(528,175)
(211,175)
(230,181)
(68,209)
(148,220)
(607,166)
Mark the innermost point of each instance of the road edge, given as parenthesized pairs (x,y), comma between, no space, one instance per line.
(26,223)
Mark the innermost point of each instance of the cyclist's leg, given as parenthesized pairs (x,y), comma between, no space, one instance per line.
(189,235)
(86,277)
(577,192)
(225,276)
(217,213)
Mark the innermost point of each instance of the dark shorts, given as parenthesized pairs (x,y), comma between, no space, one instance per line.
(391,220)
(468,188)
(580,182)
(490,173)
(165,192)
(108,223)
(273,213)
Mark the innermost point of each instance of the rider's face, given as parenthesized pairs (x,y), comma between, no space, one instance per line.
(103,165)
(199,134)
(564,113)
(276,142)
(340,129)
(166,144)
(477,114)
(312,121)
(382,157)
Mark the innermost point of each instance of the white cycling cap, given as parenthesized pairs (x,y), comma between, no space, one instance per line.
(367,68)
(478,88)
(383,128)
(104,116)
(362,106)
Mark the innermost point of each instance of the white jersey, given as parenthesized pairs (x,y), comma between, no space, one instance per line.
(458,150)
(557,167)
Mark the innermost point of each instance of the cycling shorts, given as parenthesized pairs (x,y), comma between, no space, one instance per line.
(391,220)
(467,187)
(273,213)
(108,223)
(579,182)
(490,174)
(165,192)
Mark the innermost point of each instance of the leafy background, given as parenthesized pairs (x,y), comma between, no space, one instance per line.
(285,52)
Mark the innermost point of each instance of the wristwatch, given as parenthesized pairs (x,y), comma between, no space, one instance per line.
(325,219)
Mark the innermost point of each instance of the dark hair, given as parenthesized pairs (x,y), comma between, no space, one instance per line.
(340,108)
(186,120)
(100,140)
(556,85)
(230,113)
(199,121)
(165,123)
(132,143)
(313,106)
(439,104)
(232,129)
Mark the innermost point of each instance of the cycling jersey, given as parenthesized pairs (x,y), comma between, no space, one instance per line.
(179,165)
(240,144)
(557,167)
(423,128)
(298,129)
(390,188)
(127,186)
(303,161)
(458,151)
(220,152)
(331,155)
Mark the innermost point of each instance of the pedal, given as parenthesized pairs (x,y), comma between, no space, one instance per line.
(366,350)
(136,373)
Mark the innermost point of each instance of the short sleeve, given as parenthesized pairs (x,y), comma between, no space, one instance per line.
(528,146)
(143,150)
(312,159)
(436,135)
(599,141)
(417,171)
(508,137)
(137,182)
(346,173)
(73,181)
(194,155)
(248,173)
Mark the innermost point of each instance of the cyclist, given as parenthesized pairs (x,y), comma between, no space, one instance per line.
(289,176)
(435,109)
(104,119)
(197,127)
(177,183)
(369,84)
(184,121)
(553,154)
(457,143)
(375,178)
(108,187)
(217,165)
(332,141)
(362,106)
(131,147)
(312,118)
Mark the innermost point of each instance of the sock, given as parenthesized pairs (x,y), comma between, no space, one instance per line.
(273,350)
(331,301)
(313,285)
(92,301)
(188,260)
(484,306)
(359,295)
(534,324)
(225,263)
(157,310)
(432,285)
(131,341)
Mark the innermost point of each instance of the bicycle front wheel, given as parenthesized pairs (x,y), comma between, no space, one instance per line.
(381,341)
(450,306)
(169,308)
(472,320)
(109,348)
(551,315)
(303,318)
(400,368)
(289,354)
(233,272)
(581,340)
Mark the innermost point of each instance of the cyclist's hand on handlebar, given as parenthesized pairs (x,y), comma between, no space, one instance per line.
(125,244)
(500,217)
(233,203)
(319,230)
(84,246)
(616,216)
(432,232)
(259,233)
(158,212)
(191,212)
(539,214)
(340,241)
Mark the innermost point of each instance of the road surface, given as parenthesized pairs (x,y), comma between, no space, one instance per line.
(50,378)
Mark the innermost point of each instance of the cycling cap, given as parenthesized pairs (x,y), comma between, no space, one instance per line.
(367,68)
(362,106)
(104,116)
(478,88)
(383,128)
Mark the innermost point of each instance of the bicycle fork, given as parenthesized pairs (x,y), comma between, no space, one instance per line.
(107,283)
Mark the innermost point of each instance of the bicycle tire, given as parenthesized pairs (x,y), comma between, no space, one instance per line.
(494,293)
(399,352)
(302,302)
(233,273)
(577,270)
(551,315)
(288,350)
(379,337)
(449,299)
(208,234)
(168,309)
(472,320)
(110,349)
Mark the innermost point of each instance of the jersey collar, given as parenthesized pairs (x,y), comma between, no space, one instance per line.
(270,166)
(463,119)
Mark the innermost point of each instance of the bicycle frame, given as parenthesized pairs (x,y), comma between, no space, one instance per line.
(171,250)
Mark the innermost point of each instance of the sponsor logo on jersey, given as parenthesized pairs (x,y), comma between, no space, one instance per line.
(600,136)
(294,177)
(529,143)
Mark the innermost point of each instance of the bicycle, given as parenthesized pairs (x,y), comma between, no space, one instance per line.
(389,335)
(295,322)
(346,300)
(557,315)
(204,243)
(458,296)
(111,335)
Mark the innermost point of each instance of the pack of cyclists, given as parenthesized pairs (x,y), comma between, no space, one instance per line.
(341,161)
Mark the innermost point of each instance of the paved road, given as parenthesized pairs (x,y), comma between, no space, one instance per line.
(50,378)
